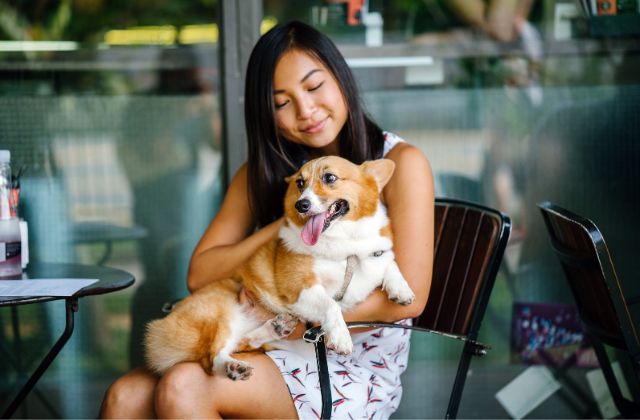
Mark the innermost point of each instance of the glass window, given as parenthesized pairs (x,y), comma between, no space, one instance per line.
(513,102)
(111,113)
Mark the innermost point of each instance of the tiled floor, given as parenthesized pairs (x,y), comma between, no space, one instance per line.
(427,388)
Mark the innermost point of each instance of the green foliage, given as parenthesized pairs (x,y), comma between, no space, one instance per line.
(86,21)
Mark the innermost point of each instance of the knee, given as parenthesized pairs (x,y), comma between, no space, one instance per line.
(125,398)
(179,390)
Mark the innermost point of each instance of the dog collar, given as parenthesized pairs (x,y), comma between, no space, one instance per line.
(348,273)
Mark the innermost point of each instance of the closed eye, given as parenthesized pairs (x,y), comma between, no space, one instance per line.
(280,105)
(316,87)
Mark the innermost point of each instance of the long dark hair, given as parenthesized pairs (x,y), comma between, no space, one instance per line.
(272,158)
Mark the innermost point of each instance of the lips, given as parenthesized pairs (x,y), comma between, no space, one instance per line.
(315,127)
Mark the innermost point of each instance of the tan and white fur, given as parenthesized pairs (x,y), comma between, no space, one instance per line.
(332,211)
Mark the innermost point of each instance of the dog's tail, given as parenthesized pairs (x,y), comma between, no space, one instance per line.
(168,343)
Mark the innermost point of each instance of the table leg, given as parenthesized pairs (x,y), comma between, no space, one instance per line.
(15,321)
(71,305)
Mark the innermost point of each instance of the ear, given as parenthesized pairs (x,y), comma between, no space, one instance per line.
(380,169)
(290,178)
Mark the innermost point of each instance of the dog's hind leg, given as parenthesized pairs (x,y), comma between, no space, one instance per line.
(227,342)
(224,364)
(274,329)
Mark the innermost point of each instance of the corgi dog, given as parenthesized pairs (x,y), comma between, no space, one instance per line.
(333,214)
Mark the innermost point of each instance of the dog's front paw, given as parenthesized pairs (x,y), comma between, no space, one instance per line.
(283,325)
(340,341)
(404,296)
(237,369)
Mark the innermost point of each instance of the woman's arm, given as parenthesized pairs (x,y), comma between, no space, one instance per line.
(226,243)
(409,197)
(410,202)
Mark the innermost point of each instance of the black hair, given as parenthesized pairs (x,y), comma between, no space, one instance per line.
(272,158)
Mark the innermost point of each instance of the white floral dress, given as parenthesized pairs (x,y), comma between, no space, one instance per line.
(364,384)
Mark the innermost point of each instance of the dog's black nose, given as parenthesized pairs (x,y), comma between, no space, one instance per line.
(303,205)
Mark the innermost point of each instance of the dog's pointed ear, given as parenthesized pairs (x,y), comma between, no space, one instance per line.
(291,177)
(380,169)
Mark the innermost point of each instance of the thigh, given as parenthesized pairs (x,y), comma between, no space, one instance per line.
(188,391)
(264,394)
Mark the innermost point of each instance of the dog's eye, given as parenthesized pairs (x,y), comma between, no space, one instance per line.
(329,178)
(300,183)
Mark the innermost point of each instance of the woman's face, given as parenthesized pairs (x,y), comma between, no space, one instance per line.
(310,107)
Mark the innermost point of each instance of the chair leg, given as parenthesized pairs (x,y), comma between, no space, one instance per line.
(324,379)
(458,383)
(631,372)
(625,407)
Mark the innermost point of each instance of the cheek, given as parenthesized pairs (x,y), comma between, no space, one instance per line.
(290,211)
(337,101)
(283,121)
(364,200)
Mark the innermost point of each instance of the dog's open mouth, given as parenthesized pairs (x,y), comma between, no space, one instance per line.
(318,223)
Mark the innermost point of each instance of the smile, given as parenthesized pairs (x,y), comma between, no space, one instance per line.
(318,223)
(337,209)
(315,128)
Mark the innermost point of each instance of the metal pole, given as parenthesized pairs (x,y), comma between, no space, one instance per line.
(239,30)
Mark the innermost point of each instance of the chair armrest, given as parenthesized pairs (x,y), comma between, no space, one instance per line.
(314,334)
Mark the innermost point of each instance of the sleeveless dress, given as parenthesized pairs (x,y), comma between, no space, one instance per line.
(366,383)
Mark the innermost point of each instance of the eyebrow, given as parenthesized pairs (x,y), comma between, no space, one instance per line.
(306,76)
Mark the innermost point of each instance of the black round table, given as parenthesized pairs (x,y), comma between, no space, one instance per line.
(109,280)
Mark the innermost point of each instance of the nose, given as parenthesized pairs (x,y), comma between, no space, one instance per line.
(303,205)
(306,107)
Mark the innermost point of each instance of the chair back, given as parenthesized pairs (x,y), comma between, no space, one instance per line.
(469,242)
(588,267)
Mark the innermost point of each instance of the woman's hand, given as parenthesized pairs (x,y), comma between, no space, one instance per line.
(229,240)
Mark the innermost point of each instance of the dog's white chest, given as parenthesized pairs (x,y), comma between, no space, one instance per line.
(331,274)
(366,273)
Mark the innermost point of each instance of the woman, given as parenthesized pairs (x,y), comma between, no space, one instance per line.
(301,103)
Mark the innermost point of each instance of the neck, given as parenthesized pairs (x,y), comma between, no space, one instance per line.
(330,149)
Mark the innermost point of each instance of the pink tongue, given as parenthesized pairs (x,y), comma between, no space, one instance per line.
(313,228)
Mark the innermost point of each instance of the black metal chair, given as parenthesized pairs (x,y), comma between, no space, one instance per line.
(470,240)
(603,307)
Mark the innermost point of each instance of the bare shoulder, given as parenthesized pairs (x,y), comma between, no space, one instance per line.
(241,176)
(238,191)
(411,165)
(237,196)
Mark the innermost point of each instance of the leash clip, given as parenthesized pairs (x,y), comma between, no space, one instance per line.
(313,335)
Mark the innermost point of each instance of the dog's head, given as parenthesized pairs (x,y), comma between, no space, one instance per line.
(331,188)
